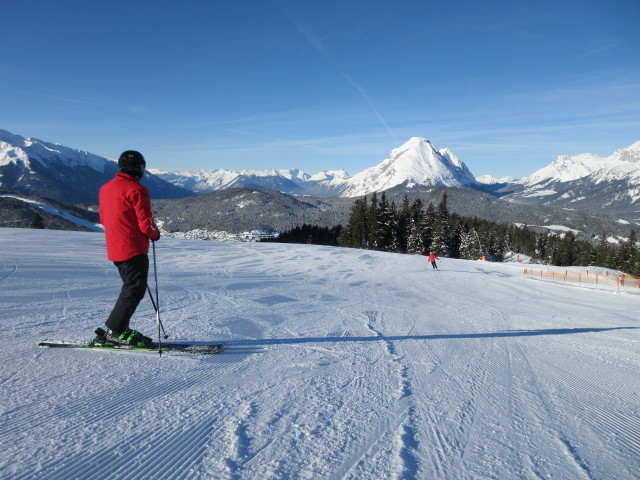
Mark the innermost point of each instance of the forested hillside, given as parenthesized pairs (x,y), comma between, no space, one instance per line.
(416,227)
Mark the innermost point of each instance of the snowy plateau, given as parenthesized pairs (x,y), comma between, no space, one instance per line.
(340,364)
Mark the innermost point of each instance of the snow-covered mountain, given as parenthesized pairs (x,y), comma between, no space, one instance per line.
(417,161)
(70,175)
(622,164)
(586,182)
(205,181)
(291,181)
(490,180)
(583,182)
(25,154)
(65,174)
(328,183)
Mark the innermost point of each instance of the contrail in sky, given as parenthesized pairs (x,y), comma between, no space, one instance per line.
(317,44)
(366,97)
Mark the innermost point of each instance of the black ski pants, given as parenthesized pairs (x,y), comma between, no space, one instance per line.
(134,274)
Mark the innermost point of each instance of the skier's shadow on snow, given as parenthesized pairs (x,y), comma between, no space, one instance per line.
(441,336)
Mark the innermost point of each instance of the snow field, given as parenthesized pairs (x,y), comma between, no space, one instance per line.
(341,363)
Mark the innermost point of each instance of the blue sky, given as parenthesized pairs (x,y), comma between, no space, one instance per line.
(319,85)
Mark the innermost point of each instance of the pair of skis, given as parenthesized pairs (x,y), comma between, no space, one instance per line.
(159,347)
(182,348)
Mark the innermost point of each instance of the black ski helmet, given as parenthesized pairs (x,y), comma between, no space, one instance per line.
(132,162)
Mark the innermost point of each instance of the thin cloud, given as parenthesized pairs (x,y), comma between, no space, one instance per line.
(63,99)
(603,48)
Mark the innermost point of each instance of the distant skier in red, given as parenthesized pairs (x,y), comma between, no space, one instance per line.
(432,259)
(125,212)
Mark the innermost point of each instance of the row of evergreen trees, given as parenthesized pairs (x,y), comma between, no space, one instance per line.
(381,225)
(309,234)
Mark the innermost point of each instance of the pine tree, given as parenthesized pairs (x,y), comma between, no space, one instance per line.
(440,240)
(490,241)
(394,246)
(522,240)
(416,209)
(566,252)
(501,243)
(344,239)
(634,254)
(357,230)
(585,255)
(386,225)
(428,226)
(37,222)
(403,227)
(414,242)
(541,248)
(372,221)
(468,244)
(603,252)
(627,254)
(455,239)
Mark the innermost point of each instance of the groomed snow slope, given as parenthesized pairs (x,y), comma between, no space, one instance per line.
(341,363)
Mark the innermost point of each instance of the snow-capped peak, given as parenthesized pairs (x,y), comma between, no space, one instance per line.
(293,174)
(14,148)
(631,154)
(491,180)
(330,175)
(567,168)
(416,161)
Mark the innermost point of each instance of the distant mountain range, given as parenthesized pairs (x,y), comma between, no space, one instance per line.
(292,181)
(71,176)
(608,185)
(585,183)
(417,162)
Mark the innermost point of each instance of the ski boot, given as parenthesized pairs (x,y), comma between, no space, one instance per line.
(128,337)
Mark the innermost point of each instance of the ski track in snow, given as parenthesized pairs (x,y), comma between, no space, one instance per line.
(340,364)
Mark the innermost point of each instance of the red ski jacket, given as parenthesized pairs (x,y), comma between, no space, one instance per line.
(125,212)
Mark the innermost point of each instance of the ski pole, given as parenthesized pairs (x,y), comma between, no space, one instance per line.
(155,309)
(156,304)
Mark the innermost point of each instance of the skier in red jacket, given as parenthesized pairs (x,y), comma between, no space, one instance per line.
(432,259)
(125,213)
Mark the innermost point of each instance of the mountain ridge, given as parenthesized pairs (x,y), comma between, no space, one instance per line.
(65,174)
(585,182)
(417,161)
(609,185)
